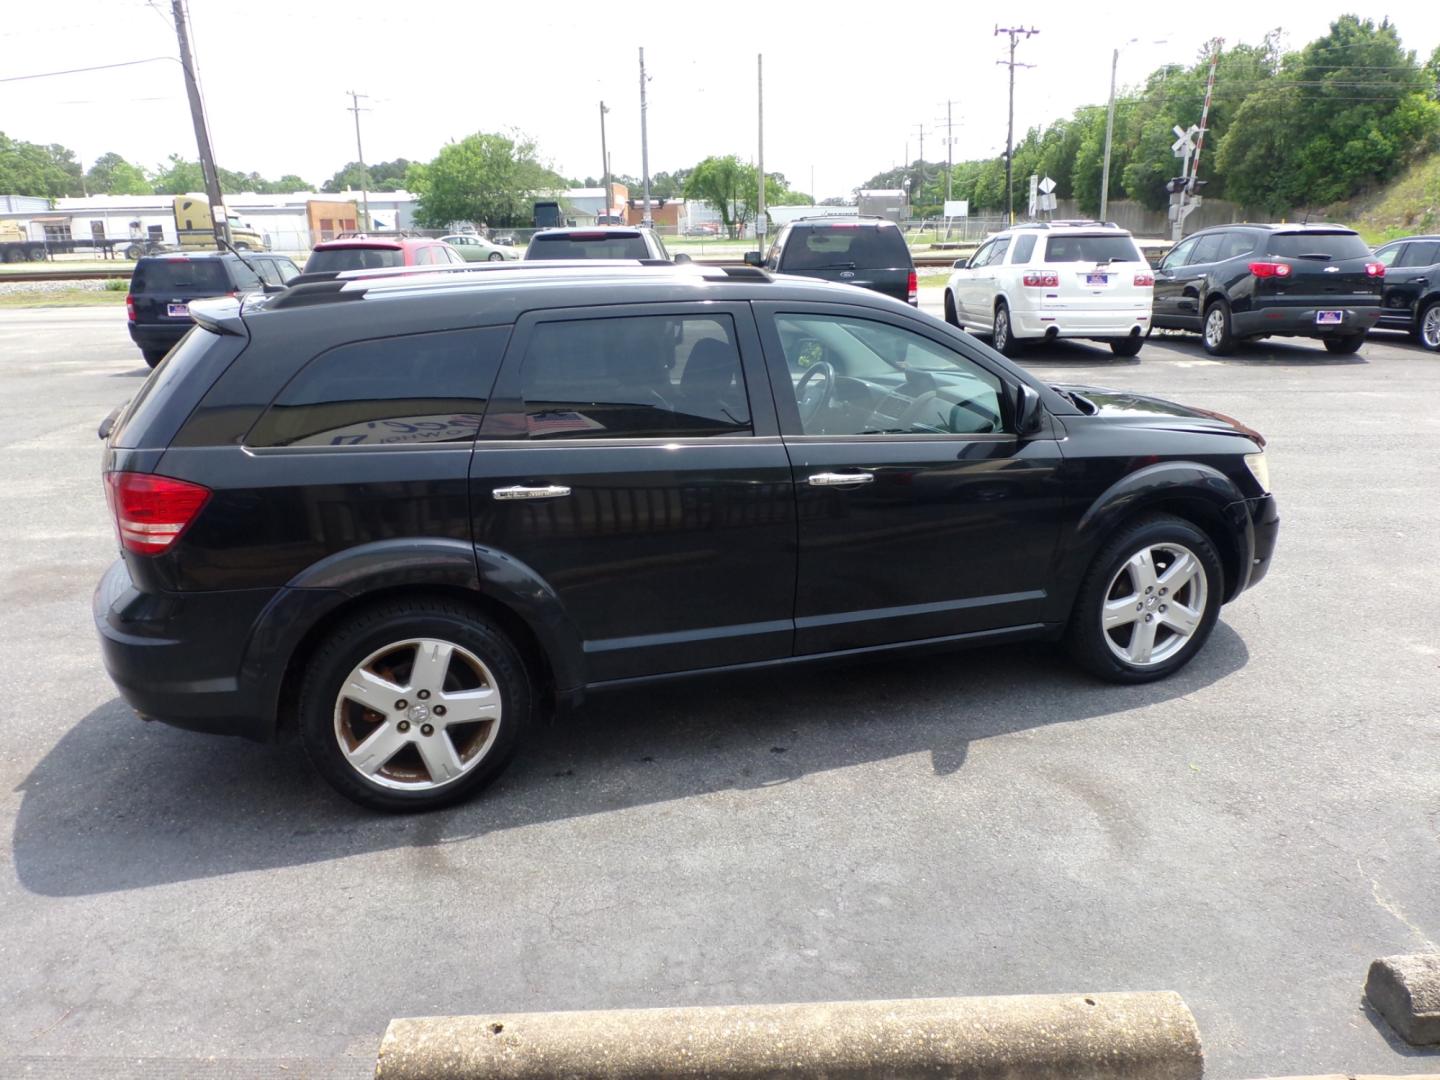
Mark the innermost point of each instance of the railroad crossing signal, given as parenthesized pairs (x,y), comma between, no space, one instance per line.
(1184,144)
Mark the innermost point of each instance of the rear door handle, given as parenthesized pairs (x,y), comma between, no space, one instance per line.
(519,491)
(840,479)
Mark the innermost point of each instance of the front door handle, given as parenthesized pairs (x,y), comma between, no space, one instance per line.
(840,479)
(519,491)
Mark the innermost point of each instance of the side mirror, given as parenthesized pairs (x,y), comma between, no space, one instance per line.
(960,264)
(682,258)
(754,258)
(1028,410)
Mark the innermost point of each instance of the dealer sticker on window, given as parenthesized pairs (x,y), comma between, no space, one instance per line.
(1329,318)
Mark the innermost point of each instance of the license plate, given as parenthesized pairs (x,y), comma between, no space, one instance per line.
(1329,318)
(1097,279)
(177,311)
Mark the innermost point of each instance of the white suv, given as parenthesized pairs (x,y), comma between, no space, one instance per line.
(1054,279)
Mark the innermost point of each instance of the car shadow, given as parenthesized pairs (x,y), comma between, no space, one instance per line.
(1270,353)
(118,804)
(140,372)
(1090,354)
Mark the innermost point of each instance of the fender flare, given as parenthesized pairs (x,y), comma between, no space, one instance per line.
(444,562)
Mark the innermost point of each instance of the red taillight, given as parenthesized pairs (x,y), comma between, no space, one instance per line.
(912,286)
(129,307)
(1374,269)
(152,511)
(1270,269)
(1144,281)
(1041,279)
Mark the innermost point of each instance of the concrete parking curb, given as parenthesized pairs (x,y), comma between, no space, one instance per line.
(1405,990)
(1075,1037)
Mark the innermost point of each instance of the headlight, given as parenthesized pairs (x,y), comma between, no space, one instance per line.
(1259,469)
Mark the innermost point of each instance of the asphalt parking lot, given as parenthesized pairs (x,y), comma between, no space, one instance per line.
(1251,833)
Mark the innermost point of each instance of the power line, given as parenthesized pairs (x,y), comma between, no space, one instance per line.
(81,70)
(1014,32)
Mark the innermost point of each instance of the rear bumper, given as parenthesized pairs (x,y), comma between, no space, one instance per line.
(176,657)
(1300,321)
(1089,323)
(158,335)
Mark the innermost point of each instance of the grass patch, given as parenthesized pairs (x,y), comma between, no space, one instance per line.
(1408,205)
(36,298)
(934,279)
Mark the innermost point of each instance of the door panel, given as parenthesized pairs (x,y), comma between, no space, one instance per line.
(665,529)
(1170,281)
(939,533)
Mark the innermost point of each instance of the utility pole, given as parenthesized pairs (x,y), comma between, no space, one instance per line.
(760,152)
(1015,33)
(646,220)
(218,219)
(949,148)
(919,186)
(1109,136)
(360,155)
(605,160)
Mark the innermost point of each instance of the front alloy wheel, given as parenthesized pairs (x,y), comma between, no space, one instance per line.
(1148,602)
(1428,329)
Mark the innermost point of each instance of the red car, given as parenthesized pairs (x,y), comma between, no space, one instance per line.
(375,252)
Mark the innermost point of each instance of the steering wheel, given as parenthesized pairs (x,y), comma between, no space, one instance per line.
(809,409)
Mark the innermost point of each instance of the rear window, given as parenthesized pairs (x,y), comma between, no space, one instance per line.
(581,246)
(840,247)
(180,275)
(353,258)
(1327,247)
(1094,249)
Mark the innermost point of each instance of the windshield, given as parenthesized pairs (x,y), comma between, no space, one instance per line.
(1091,249)
(842,246)
(353,258)
(1317,245)
(589,246)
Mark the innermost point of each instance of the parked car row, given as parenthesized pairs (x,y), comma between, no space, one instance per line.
(1230,284)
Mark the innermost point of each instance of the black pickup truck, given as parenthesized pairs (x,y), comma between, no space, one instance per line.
(869,252)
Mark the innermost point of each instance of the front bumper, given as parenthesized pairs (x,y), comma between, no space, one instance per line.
(1300,321)
(176,657)
(1263,517)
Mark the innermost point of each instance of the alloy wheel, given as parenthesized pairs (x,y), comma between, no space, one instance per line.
(1430,327)
(1154,605)
(1215,327)
(1002,329)
(417,714)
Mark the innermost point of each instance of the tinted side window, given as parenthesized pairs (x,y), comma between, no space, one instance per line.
(268,271)
(1420,253)
(997,255)
(1237,244)
(628,378)
(981,257)
(1207,250)
(1178,255)
(418,388)
(1024,248)
(1387,256)
(244,277)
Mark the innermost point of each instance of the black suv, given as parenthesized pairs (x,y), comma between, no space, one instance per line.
(162,286)
(604,242)
(407,517)
(1240,282)
(868,252)
(1412,288)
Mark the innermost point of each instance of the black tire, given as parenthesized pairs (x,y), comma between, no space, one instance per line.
(1346,345)
(132,252)
(1127,346)
(35,254)
(1090,644)
(494,256)
(1222,341)
(951,315)
(153,356)
(1002,337)
(1427,326)
(14,255)
(372,631)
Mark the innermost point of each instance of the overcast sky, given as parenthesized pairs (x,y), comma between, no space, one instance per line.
(847,86)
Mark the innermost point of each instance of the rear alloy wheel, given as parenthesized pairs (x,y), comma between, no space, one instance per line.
(413,706)
(1003,337)
(951,315)
(495,256)
(1149,602)
(1218,335)
(1427,327)
(1345,345)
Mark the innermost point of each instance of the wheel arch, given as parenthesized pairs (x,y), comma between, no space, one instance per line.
(499,587)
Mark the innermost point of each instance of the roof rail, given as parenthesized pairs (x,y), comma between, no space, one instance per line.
(1066,223)
(841,217)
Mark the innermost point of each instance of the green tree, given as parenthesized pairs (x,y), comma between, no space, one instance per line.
(180,177)
(113,175)
(384,176)
(718,181)
(484,177)
(31,169)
